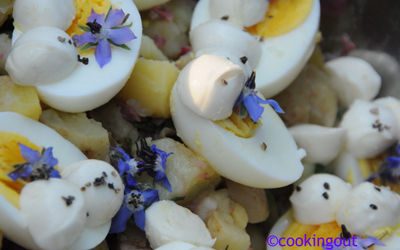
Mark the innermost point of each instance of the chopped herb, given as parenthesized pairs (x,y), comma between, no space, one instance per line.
(68,200)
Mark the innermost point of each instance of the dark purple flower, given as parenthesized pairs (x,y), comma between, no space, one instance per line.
(135,203)
(102,31)
(128,167)
(250,103)
(38,165)
(389,170)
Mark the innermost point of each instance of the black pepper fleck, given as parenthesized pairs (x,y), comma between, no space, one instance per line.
(261,39)
(105,174)
(70,41)
(325,195)
(374,111)
(327,186)
(225,18)
(373,207)
(83,189)
(264,146)
(99,181)
(298,188)
(114,174)
(377,189)
(88,184)
(68,200)
(61,39)
(345,234)
(87,214)
(83,60)
(225,82)
(244,59)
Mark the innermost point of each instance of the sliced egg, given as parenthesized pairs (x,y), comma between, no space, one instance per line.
(89,86)
(269,159)
(290,39)
(19,129)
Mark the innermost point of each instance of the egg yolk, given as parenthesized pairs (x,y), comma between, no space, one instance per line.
(83,10)
(282,17)
(244,128)
(10,156)
(297,230)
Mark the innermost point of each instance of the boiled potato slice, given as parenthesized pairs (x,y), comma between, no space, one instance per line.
(151,84)
(148,4)
(19,99)
(149,50)
(187,172)
(228,235)
(87,134)
(254,200)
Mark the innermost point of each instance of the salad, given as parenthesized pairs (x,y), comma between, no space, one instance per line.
(191,125)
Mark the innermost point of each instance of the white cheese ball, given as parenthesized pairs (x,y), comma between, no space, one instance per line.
(29,14)
(317,199)
(358,79)
(100,185)
(210,86)
(371,129)
(369,208)
(55,212)
(41,56)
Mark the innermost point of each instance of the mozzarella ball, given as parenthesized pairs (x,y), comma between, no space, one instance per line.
(29,14)
(40,56)
(317,199)
(55,212)
(322,144)
(371,129)
(219,35)
(101,186)
(210,86)
(369,208)
(356,79)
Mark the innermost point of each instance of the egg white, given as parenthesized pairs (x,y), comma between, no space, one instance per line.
(279,228)
(239,159)
(12,221)
(283,57)
(90,86)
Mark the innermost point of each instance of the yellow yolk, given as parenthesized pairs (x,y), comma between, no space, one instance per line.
(10,156)
(244,128)
(282,17)
(328,230)
(83,11)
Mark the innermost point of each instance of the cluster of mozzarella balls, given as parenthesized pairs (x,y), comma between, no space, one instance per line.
(87,197)
(363,209)
(42,52)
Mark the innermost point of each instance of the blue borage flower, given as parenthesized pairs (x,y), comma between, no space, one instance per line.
(138,196)
(389,171)
(251,104)
(38,165)
(102,31)
(135,203)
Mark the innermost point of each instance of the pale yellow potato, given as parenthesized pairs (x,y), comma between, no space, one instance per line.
(19,99)
(150,85)
(188,174)
(148,4)
(254,200)
(87,134)
(149,50)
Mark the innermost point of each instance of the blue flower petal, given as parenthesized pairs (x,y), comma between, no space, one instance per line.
(166,184)
(124,155)
(150,196)
(48,158)
(103,53)
(140,217)
(85,38)
(254,109)
(99,18)
(120,220)
(274,104)
(121,36)
(21,173)
(30,155)
(115,18)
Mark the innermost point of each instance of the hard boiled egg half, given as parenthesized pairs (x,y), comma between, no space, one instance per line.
(27,209)
(205,91)
(287,31)
(44,55)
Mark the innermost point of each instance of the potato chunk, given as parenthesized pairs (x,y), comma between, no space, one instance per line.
(149,50)
(148,4)
(187,172)
(150,84)
(87,134)
(19,99)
